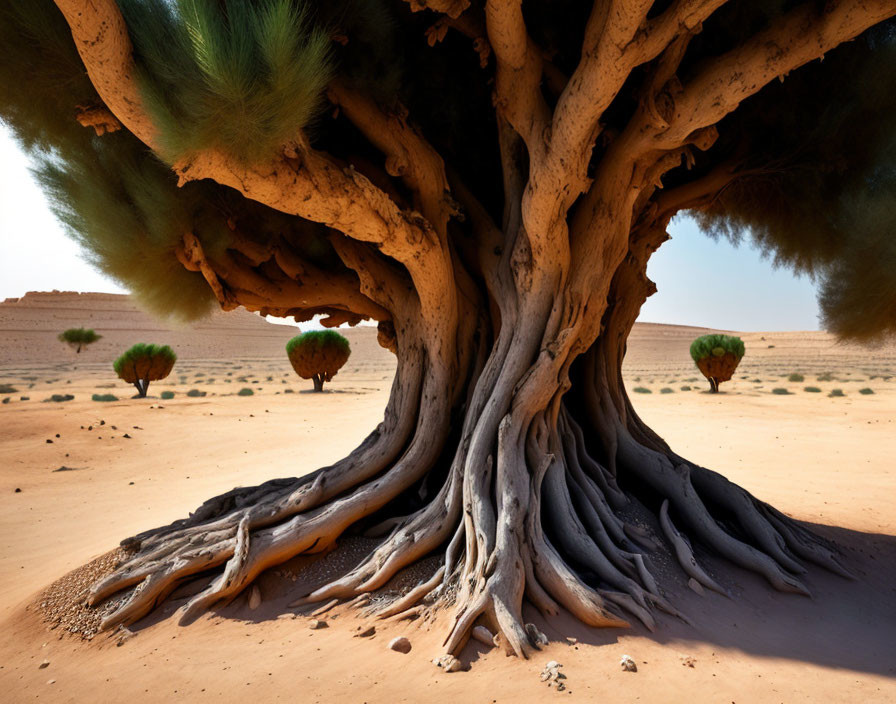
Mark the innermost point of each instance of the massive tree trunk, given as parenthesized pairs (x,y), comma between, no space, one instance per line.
(509,445)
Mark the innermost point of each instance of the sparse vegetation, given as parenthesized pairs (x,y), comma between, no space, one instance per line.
(827,376)
(245,392)
(59,398)
(866,391)
(144,363)
(667,390)
(78,338)
(167,395)
(812,389)
(318,355)
(195,393)
(780,391)
(104,397)
(836,393)
(717,356)
(796,377)
(685,388)
(7,389)
(642,390)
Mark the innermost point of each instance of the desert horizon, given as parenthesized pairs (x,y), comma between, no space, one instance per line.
(78,476)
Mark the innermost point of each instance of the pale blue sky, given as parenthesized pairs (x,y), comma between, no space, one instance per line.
(700,282)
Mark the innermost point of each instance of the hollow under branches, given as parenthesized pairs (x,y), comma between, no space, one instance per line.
(520,507)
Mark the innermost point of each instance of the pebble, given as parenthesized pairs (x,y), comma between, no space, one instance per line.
(628,664)
(552,675)
(400,644)
(254,597)
(536,636)
(366,633)
(449,663)
(315,624)
(696,586)
(45,663)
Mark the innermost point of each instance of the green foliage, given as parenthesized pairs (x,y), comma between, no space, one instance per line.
(827,376)
(7,389)
(79,336)
(836,393)
(246,391)
(104,397)
(239,77)
(685,388)
(195,393)
(167,395)
(796,377)
(318,353)
(667,390)
(317,339)
(145,362)
(780,391)
(716,345)
(812,389)
(866,391)
(59,398)
(642,390)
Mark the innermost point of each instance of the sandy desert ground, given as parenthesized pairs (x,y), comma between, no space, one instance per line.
(134,464)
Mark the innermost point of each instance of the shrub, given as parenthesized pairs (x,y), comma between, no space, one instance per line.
(78,338)
(59,398)
(685,388)
(667,390)
(827,376)
(318,355)
(796,377)
(836,393)
(195,393)
(780,392)
(717,356)
(6,399)
(167,395)
(144,363)
(642,390)
(245,392)
(104,397)
(7,389)
(866,391)
(812,389)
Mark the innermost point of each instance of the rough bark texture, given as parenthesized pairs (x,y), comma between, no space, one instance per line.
(509,446)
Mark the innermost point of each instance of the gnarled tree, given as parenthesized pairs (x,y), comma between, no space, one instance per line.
(487,180)
(318,355)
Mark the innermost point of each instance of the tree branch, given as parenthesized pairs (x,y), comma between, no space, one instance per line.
(800,36)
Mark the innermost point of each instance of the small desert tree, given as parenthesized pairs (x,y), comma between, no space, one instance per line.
(79,338)
(717,356)
(318,355)
(144,363)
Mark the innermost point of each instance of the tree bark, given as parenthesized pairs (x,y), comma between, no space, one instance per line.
(318,382)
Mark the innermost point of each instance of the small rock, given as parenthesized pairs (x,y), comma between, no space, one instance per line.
(45,663)
(688,661)
(366,633)
(571,640)
(536,636)
(17,491)
(628,664)
(484,636)
(254,597)
(449,663)
(696,586)
(51,681)
(126,436)
(316,624)
(400,644)
(49,442)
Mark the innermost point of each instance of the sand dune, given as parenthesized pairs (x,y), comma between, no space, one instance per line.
(825,460)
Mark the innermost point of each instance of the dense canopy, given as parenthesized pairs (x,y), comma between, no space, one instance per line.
(814,152)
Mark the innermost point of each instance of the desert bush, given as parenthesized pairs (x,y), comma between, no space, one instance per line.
(780,391)
(717,356)
(642,390)
(866,391)
(195,393)
(7,389)
(59,398)
(5,399)
(144,363)
(827,376)
(78,338)
(685,388)
(812,389)
(796,377)
(835,393)
(167,395)
(245,392)
(318,355)
(104,397)
(667,390)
